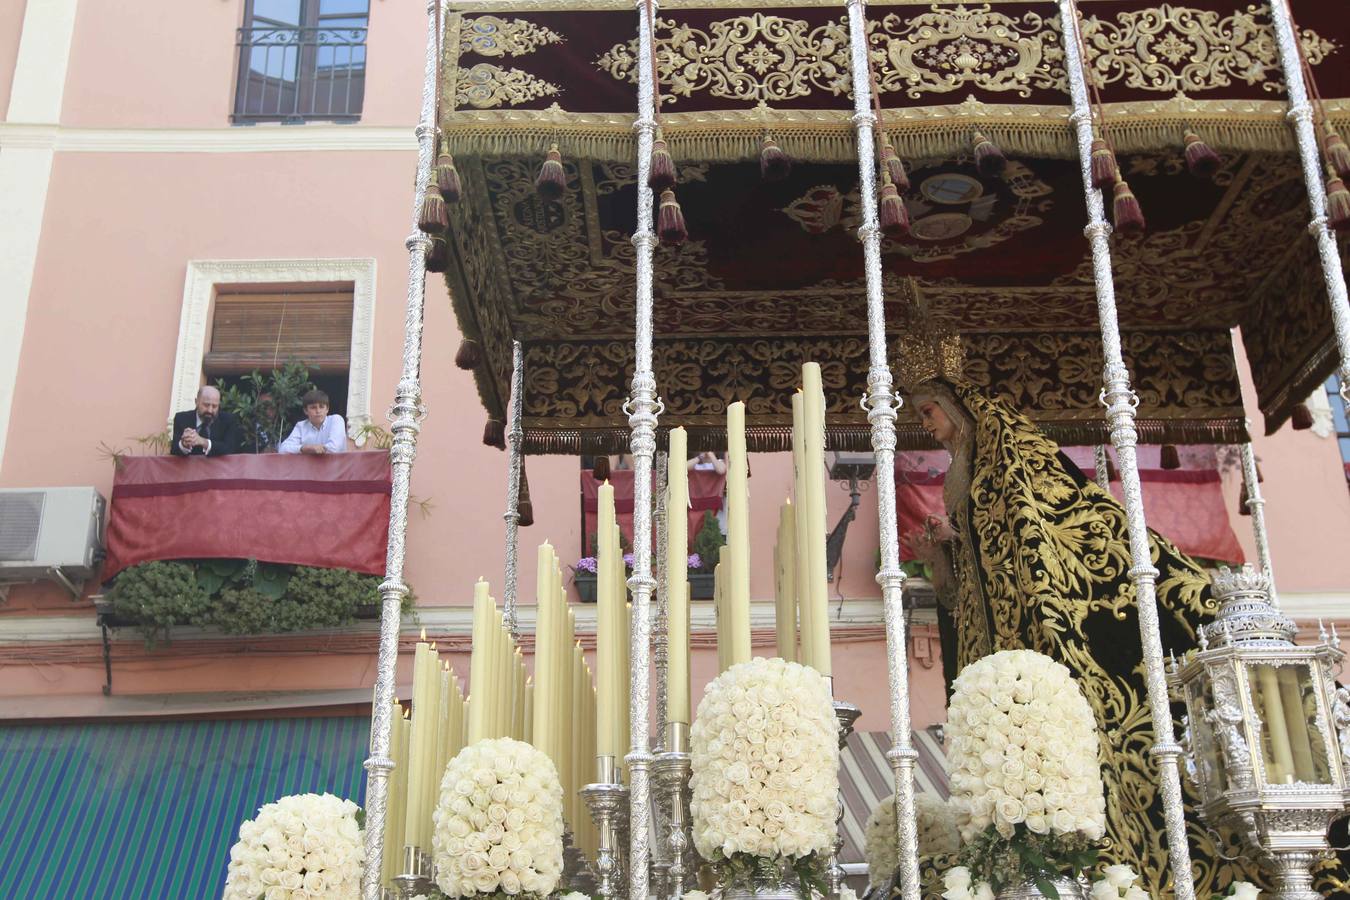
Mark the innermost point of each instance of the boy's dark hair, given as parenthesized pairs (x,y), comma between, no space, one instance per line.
(315,396)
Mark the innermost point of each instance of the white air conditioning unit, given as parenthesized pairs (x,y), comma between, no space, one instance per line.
(50,533)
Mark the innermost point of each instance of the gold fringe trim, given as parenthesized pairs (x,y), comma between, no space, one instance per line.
(858,438)
(917,132)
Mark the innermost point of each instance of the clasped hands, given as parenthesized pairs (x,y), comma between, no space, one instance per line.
(192,439)
(926,543)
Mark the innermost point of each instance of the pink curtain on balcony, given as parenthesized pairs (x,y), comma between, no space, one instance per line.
(705,495)
(329,511)
(1184,505)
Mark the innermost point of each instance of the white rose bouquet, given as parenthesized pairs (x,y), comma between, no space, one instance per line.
(498,827)
(302,847)
(765,772)
(1026,781)
(937,830)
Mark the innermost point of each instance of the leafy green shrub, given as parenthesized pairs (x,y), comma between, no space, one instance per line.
(708,542)
(241,596)
(160,595)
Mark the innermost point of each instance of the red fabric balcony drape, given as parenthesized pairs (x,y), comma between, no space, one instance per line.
(330,511)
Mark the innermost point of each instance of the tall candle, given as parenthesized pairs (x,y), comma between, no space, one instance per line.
(393,822)
(479,661)
(518,696)
(736,586)
(529,711)
(607,623)
(803,562)
(419,742)
(677,580)
(720,618)
(785,565)
(815,594)
(543,647)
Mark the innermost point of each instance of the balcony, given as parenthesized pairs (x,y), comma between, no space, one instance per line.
(294,74)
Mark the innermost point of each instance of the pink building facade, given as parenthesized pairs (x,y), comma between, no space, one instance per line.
(134,201)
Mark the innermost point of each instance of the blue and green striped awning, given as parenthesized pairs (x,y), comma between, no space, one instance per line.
(148,810)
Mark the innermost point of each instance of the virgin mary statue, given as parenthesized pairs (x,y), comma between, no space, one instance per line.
(1034,555)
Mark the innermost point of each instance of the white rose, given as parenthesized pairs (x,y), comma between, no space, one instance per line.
(1119,876)
(1245,890)
(1104,890)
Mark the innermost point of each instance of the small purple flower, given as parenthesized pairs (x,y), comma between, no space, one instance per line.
(628,560)
(695,561)
(586,564)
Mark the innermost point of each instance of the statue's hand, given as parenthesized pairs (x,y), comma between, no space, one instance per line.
(922,546)
(939,528)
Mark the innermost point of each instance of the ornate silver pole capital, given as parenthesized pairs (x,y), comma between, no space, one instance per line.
(1120,402)
(406,414)
(881,404)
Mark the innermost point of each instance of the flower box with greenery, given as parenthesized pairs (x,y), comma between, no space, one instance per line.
(1026,785)
(708,543)
(239,596)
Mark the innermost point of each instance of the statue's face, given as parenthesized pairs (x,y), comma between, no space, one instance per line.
(935,421)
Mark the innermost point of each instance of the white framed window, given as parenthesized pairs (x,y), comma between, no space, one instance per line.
(208,279)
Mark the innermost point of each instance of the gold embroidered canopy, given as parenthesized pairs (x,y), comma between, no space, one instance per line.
(771,274)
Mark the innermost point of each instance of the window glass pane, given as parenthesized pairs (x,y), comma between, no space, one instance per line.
(274,12)
(341,7)
(1345,449)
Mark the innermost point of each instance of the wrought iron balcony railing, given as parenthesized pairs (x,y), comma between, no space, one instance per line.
(292,74)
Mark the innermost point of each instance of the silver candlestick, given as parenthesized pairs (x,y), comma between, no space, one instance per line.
(416,878)
(672,769)
(846,713)
(607,800)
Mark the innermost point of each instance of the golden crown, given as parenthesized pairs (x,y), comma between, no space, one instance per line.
(927,350)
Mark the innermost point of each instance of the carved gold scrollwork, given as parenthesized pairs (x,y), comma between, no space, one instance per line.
(758,58)
(965,47)
(495,36)
(485,86)
(1177,48)
(763,58)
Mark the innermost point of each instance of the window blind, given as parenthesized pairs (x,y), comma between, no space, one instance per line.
(262,331)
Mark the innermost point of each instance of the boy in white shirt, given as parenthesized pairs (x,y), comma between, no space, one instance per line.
(318,432)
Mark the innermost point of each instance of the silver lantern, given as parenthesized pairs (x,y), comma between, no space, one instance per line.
(1267,733)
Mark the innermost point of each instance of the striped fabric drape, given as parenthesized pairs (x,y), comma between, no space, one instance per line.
(149,809)
(865,779)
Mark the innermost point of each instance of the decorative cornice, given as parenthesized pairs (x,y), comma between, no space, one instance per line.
(251,139)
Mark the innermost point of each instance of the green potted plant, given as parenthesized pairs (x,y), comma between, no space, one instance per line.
(267,406)
(708,543)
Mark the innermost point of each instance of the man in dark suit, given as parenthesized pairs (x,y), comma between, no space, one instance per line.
(206,430)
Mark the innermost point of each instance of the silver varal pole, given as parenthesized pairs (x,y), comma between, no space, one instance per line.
(1305,134)
(406,416)
(1257,506)
(643,408)
(1120,403)
(1102,470)
(515,443)
(882,403)
(660,650)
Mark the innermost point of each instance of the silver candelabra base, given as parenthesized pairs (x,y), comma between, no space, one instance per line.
(846,713)
(417,873)
(607,801)
(671,769)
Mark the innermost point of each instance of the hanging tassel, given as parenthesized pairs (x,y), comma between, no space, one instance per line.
(469,355)
(552,180)
(1338,154)
(438,257)
(988,158)
(1128,217)
(893,164)
(774,164)
(1104,168)
(494,434)
(662,175)
(600,471)
(1301,417)
(1200,159)
(891,213)
(447,176)
(670,221)
(432,218)
(1338,204)
(524,508)
(1169,458)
